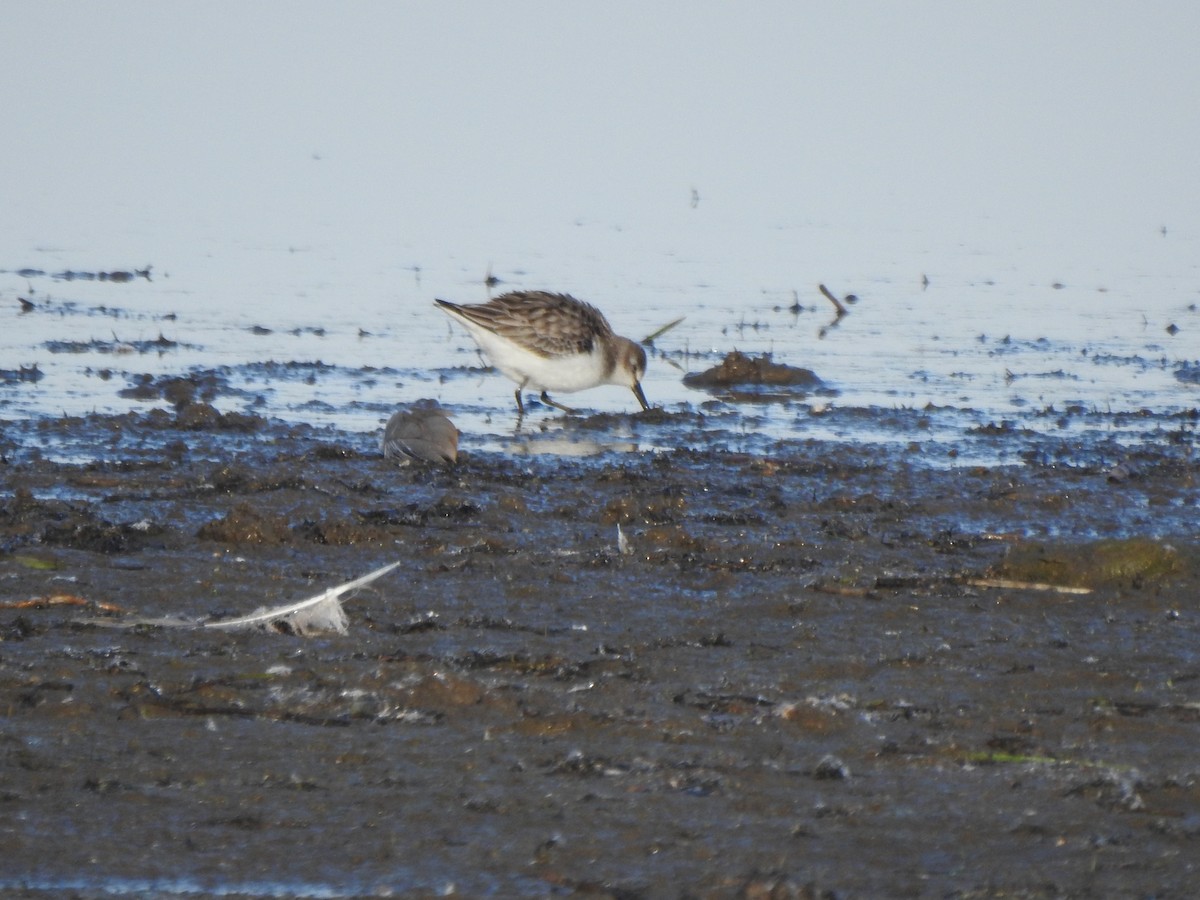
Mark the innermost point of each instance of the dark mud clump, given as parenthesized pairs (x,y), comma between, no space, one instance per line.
(191,396)
(739,371)
(831,671)
(245,524)
(203,416)
(158,345)
(31,374)
(117,276)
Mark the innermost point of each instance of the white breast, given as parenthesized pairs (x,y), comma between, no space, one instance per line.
(564,374)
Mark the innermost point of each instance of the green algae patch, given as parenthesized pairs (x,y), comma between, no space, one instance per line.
(34,562)
(1131,562)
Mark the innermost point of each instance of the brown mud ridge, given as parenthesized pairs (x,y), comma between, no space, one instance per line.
(748,377)
(827,672)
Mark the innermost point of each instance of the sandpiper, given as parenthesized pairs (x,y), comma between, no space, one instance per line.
(423,432)
(552,342)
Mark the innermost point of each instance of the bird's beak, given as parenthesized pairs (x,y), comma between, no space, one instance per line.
(637,392)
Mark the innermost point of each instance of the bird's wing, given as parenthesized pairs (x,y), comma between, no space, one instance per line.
(542,322)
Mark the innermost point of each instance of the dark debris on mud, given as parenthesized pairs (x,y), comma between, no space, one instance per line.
(739,377)
(793,681)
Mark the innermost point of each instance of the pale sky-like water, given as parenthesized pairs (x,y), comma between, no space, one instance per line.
(302,166)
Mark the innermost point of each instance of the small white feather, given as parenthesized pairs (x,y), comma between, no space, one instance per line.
(322,612)
(623,545)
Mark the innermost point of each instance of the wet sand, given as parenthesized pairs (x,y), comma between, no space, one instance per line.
(827,670)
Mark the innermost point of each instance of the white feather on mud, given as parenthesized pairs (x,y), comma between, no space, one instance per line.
(320,613)
(623,545)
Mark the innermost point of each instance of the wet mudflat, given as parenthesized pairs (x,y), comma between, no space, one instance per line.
(823,670)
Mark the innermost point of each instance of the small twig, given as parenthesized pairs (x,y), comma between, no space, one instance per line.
(901,582)
(837,304)
(1010,584)
(649,339)
(839,590)
(59,600)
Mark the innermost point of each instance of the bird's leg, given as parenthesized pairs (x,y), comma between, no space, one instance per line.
(520,405)
(546,399)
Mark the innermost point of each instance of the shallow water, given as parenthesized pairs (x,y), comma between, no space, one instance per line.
(976,348)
